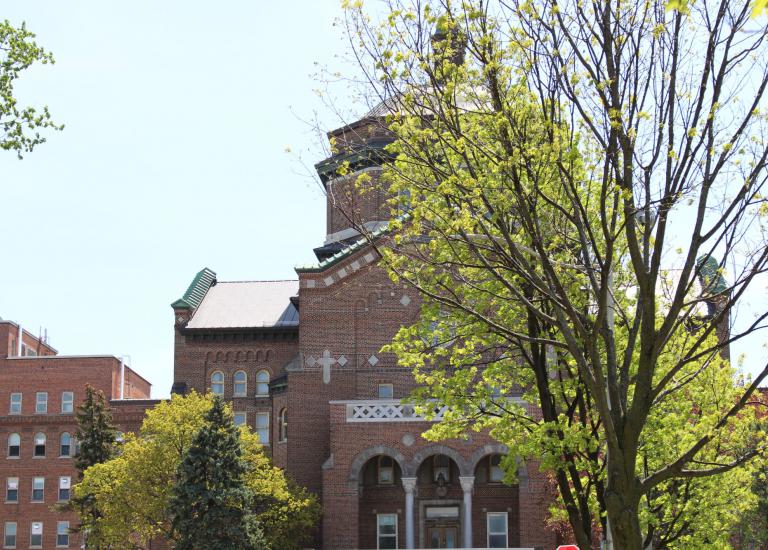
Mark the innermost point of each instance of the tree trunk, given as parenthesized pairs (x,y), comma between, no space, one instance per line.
(622,502)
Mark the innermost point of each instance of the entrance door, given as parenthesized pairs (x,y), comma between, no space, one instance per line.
(443,537)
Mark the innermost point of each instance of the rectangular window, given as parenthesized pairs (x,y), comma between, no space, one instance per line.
(41,403)
(495,473)
(497,529)
(386,530)
(15,407)
(9,538)
(36,534)
(39,449)
(67,402)
(38,489)
(62,534)
(386,391)
(12,489)
(386,470)
(64,484)
(262,427)
(240,418)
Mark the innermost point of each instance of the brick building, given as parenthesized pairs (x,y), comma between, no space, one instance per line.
(301,362)
(40,393)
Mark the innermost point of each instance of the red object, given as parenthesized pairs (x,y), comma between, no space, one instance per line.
(568,547)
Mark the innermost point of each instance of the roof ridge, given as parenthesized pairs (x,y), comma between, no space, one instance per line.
(197,289)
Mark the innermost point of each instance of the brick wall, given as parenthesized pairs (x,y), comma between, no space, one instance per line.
(53,375)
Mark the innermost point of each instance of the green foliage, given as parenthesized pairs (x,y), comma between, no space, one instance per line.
(212,507)
(96,434)
(97,437)
(135,488)
(542,176)
(20,125)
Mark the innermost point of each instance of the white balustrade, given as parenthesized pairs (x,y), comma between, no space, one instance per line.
(386,410)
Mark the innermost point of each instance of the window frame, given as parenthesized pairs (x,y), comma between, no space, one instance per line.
(489,534)
(11,402)
(41,405)
(262,384)
(68,398)
(9,446)
(65,525)
(38,446)
(32,534)
(391,390)
(260,428)
(244,383)
(61,445)
(378,530)
(243,415)
(15,534)
(380,468)
(65,484)
(491,467)
(8,489)
(41,489)
(215,384)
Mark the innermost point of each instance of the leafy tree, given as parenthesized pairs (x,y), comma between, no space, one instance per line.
(20,125)
(212,507)
(570,172)
(134,489)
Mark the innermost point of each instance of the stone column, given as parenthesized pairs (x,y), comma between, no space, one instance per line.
(467,483)
(409,484)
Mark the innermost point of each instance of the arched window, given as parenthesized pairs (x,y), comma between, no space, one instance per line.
(262,382)
(283,425)
(217,383)
(65,444)
(241,384)
(39,444)
(14,445)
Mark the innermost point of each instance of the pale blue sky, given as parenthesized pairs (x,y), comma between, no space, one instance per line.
(177,114)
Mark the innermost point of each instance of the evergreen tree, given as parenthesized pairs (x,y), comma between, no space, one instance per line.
(212,508)
(96,436)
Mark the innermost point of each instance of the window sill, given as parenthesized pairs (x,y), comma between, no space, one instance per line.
(13,457)
(37,457)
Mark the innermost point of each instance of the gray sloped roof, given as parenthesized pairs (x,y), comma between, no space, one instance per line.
(247,304)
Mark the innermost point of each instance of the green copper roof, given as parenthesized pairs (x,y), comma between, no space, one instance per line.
(710,275)
(204,279)
(344,252)
(372,153)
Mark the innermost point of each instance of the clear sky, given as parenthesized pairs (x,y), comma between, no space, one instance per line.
(178,115)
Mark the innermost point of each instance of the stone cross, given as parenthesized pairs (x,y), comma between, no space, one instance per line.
(326,361)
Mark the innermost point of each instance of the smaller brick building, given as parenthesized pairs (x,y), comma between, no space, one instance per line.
(39,394)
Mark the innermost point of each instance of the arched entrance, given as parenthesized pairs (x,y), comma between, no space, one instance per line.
(440,502)
(380,503)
